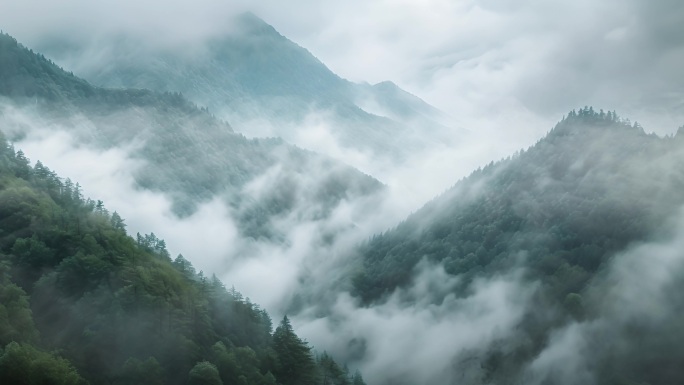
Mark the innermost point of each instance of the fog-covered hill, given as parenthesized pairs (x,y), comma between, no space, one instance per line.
(264,84)
(589,216)
(185,152)
(82,302)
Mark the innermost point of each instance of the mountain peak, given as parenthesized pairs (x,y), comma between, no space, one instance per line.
(253,24)
(386,85)
(680,133)
(587,120)
(26,74)
(251,72)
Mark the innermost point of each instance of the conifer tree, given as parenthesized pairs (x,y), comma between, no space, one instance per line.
(295,363)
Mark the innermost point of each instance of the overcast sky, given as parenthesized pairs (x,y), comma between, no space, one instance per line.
(488,63)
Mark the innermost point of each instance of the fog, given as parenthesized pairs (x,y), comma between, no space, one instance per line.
(424,173)
(413,339)
(503,72)
(638,309)
(520,66)
(267,270)
(305,273)
(422,333)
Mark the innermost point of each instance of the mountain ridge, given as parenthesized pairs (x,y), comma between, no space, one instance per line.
(254,74)
(576,220)
(190,155)
(564,213)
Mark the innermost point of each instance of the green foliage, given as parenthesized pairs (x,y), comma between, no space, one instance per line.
(567,205)
(108,301)
(16,321)
(560,212)
(25,365)
(136,372)
(331,373)
(357,379)
(117,308)
(204,373)
(32,252)
(296,365)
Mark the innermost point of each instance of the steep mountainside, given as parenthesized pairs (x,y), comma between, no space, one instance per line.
(82,302)
(187,153)
(563,212)
(254,73)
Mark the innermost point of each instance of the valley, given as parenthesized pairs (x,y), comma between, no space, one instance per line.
(229,210)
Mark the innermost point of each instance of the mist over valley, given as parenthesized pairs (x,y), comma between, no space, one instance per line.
(190,196)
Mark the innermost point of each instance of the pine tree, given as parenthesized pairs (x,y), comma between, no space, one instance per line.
(357,379)
(296,365)
(117,222)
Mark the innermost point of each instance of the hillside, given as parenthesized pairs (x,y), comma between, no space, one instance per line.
(186,152)
(251,75)
(83,302)
(568,212)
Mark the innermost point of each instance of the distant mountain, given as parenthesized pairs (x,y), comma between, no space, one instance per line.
(188,154)
(562,211)
(253,73)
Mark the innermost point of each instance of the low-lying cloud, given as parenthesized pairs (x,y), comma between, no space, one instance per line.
(107,175)
(414,179)
(422,333)
(504,71)
(416,338)
(304,273)
(309,243)
(637,312)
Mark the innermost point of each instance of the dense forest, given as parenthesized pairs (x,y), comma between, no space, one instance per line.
(83,302)
(560,211)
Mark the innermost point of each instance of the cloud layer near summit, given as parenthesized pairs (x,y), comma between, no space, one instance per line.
(486,62)
(544,57)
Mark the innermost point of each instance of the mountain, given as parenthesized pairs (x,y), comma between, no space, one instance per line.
(253,76)
(186,153)
(562,264)
(82,302)
(573,212)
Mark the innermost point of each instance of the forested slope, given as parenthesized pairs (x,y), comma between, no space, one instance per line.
(83,302)
(560,212)
(186,152)
(590,187)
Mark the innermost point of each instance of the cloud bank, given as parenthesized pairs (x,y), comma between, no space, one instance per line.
(304,274)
